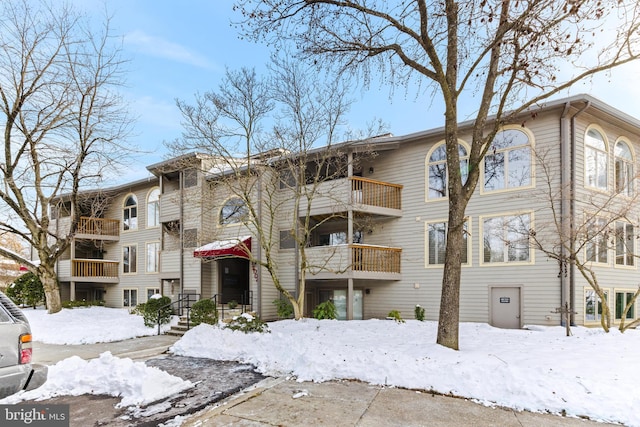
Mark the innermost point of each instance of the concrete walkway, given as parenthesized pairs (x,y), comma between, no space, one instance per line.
(137,348)
(285,402)
(289,403)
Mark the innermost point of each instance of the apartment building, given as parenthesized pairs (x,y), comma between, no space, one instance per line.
(378,226)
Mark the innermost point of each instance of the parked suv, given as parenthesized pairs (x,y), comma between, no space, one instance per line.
(16,370)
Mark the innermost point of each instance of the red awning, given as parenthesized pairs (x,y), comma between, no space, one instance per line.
(237,248)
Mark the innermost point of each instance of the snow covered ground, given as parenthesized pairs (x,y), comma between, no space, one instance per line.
(590,373)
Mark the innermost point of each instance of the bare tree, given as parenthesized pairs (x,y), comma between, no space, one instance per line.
(502,57)
(600,229)
(276,175)
(63,124)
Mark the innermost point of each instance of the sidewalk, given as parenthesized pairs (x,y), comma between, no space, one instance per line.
(289,403)
(137,348)
(285,402)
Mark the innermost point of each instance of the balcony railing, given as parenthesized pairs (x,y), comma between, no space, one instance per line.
(94,268)
(376,193)
(99,226)
(378,259)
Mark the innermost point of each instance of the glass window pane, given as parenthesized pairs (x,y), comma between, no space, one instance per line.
(519,168)
(494,178)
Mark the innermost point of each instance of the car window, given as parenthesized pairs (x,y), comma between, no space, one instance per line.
(4,317)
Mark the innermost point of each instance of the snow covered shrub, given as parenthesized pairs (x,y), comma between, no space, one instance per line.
(248,323)
(419,313)
(26,290)
(325,310)
(283,308)
(395,315)
(151,308)
(204,311)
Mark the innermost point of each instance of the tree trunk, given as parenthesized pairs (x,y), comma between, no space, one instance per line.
(450,298)
(51,289)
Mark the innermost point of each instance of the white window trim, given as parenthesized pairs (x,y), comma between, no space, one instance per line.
(634,266)
(137,297)
(531,146)
(609,251)
(481,220)
(148,216)
(146,256)
(428,199)
(626,291)
(607,146)
(469,262)
(233,224)
(137,258)
(606,291)
(124,206)
(148,288)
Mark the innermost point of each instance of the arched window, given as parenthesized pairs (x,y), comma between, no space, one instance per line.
(507,164)
(624,168)
(437,170)
(233,211)
(596,160)
(153,208)
(130,213)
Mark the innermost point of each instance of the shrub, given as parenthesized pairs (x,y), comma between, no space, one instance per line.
(232,304)
(395,315)
(283,308)
(82,303)
(204,311)
(247,323)
(150,311)
(325,310)
(419,313)
(26,290)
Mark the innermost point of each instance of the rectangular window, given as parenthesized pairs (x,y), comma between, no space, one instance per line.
(153,257)
(151,292)
(190,238)
(286,240)
(333,239)
(596,244)
(129,297)
(622,299)
(437,241)
(593,305)
(129,259)
(506,238)
(624,244)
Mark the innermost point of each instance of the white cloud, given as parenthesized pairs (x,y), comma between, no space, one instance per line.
(159,47)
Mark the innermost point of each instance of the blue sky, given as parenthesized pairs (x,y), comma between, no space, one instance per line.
(180,48)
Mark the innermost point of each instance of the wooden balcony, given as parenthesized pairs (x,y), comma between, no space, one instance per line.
(98,228)
(356,261)
(359,194)
(369,192)
(94,270)
(378,259)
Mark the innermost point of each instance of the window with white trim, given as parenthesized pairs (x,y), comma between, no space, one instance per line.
(437,242)
(151,292)
(624,173)
(508,163)
(623,298)
(506,238)
(596,160)
(153,208)
(593,305)
(129,297)
(596,247)
(130,213)
(129,259)
(625,243)
(153,257)
(437,171)
(233,211)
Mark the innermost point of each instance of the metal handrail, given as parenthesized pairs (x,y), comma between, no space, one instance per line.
(181,298)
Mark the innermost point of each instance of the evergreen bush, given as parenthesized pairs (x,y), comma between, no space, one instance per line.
(150,309)
(283,308)
(325,310)
(419,313)
(247,323)
(26,290)
(204,311)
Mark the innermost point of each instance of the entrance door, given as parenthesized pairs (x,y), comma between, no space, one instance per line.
(505,307)
(234,280)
